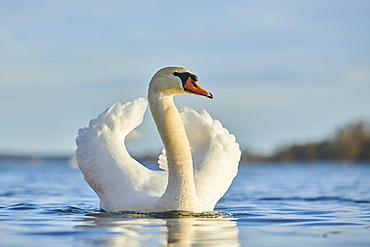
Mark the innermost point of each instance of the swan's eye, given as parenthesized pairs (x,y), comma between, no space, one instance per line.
(194,77)
(184,77)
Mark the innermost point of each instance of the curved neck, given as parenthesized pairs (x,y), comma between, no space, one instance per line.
(180,193)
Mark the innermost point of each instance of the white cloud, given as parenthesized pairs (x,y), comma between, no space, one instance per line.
(358,75)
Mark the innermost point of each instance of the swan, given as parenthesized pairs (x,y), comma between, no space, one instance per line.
(199,161)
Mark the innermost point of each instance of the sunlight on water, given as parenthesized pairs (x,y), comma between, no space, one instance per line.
(267,205)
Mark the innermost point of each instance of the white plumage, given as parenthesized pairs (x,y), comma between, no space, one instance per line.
(123,184)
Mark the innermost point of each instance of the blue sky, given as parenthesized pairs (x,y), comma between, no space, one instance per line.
(280,71)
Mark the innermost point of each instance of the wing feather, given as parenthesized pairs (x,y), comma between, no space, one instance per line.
(117,178)
(216,155)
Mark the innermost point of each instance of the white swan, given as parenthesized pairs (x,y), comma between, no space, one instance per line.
(200,158)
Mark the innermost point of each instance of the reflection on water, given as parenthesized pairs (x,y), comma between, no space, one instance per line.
(127,230)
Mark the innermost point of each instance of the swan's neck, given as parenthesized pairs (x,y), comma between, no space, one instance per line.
(180,193)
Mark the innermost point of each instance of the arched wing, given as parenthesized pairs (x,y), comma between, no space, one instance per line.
(215,153)
(117,178)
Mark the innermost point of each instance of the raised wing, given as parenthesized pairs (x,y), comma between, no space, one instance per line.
(216,155)
(118,179)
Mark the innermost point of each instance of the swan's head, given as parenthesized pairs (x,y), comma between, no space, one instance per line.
(176,80)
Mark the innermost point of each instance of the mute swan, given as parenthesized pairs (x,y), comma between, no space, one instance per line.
(200,158)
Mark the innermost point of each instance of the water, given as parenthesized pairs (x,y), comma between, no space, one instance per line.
(268,205)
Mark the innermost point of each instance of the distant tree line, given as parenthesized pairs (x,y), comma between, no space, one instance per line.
(350,143)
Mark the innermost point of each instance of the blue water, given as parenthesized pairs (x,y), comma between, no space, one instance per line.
(321,204)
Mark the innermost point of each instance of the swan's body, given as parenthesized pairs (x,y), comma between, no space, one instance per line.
(200,158)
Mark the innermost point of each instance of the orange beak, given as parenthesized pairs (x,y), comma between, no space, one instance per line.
(192,86)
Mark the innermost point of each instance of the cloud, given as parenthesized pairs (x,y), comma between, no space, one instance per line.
(358,75)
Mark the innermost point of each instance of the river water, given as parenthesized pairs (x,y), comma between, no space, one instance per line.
(299,204)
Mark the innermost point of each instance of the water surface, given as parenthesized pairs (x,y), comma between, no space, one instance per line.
(320,204)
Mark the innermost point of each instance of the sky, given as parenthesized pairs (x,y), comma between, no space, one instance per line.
(280,71)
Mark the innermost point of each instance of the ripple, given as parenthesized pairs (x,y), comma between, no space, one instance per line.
(277,220)
(69,210)
(56,233)
(179,214)
(162,215)
(310,199)
(23,206)
(313,213)
(332,224)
